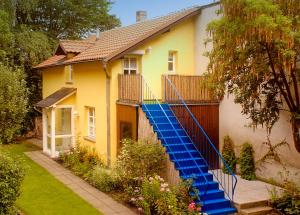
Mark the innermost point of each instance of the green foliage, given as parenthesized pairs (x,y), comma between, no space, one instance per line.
(246,161)
(61,19)
(288,202)
(103,179)
(139,159)
(81,160)
(229,155)
(155,196)
(13,102)
(11,176)
(256,45)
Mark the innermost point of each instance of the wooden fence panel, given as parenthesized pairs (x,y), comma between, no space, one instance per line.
(129,88)
(208,117)
(193,89)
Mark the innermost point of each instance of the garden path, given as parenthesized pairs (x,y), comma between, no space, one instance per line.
(102,202)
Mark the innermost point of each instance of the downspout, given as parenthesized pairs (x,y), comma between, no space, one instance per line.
(107,85)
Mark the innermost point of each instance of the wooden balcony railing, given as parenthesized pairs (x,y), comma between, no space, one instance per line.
(193,89)
(130,88)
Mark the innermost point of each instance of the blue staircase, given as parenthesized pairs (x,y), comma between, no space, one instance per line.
(187,159)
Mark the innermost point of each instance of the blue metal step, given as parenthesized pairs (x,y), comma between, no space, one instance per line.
(221,211)
(187,159)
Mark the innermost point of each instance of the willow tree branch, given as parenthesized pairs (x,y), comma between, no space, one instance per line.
(277,79)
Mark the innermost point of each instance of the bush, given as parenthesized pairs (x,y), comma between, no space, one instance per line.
(11,177)
(103,179)
(13,102)
(229,155)
(81,160)
(289,200)
(246,161)
(139,159)
(155,196)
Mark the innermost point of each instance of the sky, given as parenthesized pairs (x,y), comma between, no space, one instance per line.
(125,9)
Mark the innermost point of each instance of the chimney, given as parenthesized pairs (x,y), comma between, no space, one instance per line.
(141,15)
(97,34)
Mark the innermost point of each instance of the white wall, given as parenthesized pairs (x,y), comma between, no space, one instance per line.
(207,14)
(234,124)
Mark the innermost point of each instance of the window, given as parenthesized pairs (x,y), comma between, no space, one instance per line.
(126,130)
(91,122)
(130,66)
(69,71)
(171,61)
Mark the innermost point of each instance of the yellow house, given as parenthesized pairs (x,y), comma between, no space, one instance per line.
(140,82)
(82,82)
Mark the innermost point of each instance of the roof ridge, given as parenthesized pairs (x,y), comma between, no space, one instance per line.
(152,19)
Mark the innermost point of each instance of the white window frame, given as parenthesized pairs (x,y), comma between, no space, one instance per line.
(173,61)
(129,68)
(91,129)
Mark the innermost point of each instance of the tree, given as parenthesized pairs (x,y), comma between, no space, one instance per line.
(61,19)
(13,102)
(255,56)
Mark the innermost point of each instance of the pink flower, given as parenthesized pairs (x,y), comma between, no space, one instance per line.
(192,206)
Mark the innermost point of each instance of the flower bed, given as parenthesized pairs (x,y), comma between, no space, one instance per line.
(135,179)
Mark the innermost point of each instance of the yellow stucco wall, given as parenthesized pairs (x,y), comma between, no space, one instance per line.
(89,79)
(155,63)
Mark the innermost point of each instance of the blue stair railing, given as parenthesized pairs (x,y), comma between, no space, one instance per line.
(148,97)
(196,132)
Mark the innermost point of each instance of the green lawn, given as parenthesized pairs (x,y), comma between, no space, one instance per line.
(41,192)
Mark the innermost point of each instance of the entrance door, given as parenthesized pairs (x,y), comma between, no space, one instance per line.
(58,126)
(63,129)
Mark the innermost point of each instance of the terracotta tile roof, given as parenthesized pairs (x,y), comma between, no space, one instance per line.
(76,46)
(55,97)
(52,61)
(119,41)
(116,41)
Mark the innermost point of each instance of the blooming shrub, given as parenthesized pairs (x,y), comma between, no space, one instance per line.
(11,176)
(80,160)
(140,159)
(155,196)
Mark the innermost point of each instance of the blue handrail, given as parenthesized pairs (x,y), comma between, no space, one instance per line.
(151,97)
(221,183)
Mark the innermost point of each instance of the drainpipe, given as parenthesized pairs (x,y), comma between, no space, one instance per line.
(107,85)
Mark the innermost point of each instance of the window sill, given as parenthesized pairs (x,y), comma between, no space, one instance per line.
(91,139)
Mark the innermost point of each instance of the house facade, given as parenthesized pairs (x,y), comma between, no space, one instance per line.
(89,70)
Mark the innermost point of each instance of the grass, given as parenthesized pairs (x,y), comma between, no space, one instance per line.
(42,194)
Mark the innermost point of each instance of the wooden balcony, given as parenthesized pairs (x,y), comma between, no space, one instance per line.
(130,88)
(193,89)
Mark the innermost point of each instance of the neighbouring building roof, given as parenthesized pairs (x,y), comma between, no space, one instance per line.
(52,61)
(115,43)
(55,97)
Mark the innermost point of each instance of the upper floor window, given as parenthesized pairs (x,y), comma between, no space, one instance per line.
(91,122)
(130,66)
(172,61)
(69,71)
